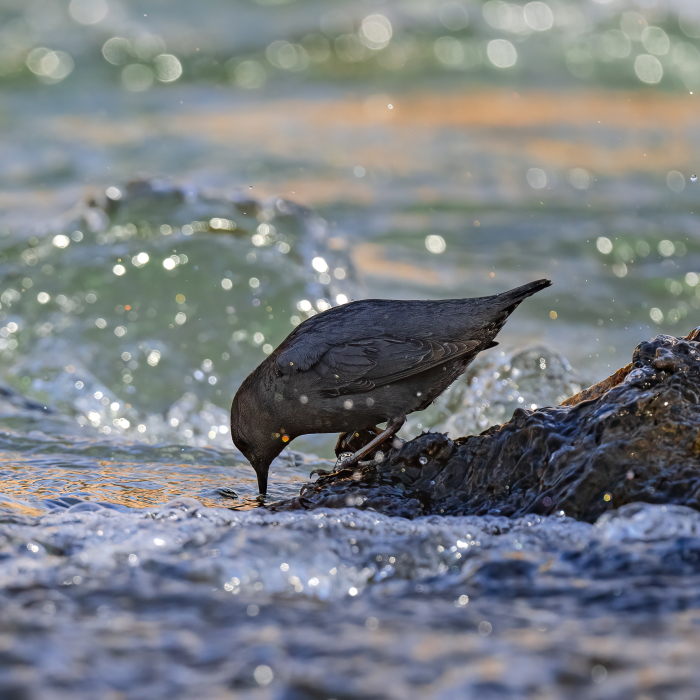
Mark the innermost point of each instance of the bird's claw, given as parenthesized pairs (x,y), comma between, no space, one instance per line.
(344,460)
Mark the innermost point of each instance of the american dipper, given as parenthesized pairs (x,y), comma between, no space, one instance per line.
(361,364)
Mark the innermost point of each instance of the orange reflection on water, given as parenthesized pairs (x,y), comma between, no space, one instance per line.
(128,484)
(611,133)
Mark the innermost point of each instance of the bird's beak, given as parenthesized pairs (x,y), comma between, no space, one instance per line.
(262,470)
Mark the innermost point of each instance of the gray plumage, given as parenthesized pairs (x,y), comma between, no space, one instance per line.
(361,364)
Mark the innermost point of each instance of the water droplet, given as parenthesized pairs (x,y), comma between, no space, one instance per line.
(693,178)
(423,460)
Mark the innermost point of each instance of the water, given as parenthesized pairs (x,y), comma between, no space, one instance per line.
(180,188)
(185,599)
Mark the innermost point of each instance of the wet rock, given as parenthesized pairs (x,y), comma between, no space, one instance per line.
(633,438)
(593,392)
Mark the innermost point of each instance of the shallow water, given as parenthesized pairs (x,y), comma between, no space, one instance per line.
(184,599)
(305,154)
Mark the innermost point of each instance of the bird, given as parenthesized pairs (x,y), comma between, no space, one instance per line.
(360,364)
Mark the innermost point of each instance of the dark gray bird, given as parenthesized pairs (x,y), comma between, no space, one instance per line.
(361,364)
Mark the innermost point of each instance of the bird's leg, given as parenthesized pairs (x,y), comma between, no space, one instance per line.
(392,427)
(344,449)
(350,434)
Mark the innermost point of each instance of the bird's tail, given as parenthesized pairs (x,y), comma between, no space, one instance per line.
(527,290)
(507,302)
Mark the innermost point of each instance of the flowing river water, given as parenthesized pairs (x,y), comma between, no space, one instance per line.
(182,184)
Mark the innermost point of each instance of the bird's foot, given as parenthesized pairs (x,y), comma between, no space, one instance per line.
(320,472)
(352,442)
(343,457)
(392,427)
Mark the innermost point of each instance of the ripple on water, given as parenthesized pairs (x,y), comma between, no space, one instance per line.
(469,595)
(146,329)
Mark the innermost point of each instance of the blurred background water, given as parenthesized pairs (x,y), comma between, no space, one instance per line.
(183,183)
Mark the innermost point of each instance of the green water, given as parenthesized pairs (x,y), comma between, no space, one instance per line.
(424,150)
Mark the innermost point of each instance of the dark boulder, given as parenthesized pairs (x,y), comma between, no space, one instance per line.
(633,437)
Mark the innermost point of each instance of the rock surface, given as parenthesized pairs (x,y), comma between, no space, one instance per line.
(633,437)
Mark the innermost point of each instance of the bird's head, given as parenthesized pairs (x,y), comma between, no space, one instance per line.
(256,433)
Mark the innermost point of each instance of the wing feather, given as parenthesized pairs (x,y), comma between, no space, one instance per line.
(364,364)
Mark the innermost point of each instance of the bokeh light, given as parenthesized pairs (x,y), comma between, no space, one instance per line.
(88,11)
(502,53)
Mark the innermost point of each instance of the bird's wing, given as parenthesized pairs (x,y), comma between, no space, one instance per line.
(301,355)
(364,364)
